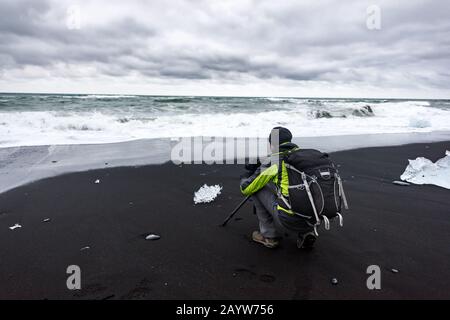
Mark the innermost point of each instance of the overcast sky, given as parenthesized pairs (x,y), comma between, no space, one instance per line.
(227,47)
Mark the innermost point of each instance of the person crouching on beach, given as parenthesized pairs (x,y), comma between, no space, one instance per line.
(266,185)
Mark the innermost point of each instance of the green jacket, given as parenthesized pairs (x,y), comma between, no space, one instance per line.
(269,172)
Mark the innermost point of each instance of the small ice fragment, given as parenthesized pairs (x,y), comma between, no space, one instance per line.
(334,281)
(401,183)
(207,194)
(152,237)
(394,270)
(97,181)
(46,220)
(85,248)
(16,226)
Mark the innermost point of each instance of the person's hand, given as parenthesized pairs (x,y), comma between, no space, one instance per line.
(252,165)
(246,175)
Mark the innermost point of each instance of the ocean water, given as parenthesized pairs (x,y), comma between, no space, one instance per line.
(44,119)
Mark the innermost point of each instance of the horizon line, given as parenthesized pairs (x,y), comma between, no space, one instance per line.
(219,96)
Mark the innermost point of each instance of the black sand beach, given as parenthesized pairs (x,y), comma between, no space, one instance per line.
(395,227)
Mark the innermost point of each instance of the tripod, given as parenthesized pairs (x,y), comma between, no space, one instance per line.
(235,211)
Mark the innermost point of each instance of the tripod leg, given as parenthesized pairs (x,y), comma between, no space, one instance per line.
(235,211)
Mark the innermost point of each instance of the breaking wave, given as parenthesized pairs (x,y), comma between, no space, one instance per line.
(365,111)
(173,100)
(31,120)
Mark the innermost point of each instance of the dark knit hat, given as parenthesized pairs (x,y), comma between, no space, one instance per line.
(284,135)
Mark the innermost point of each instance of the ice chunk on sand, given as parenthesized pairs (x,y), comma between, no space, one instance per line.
(424,171)
(15,226)
(152,237)
(401,183)
(207,194)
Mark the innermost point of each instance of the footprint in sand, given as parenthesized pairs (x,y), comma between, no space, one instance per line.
(140,292)
(89,290)
(253,275)
(267,278)
(245,272)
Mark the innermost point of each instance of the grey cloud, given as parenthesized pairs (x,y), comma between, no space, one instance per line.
(292,40)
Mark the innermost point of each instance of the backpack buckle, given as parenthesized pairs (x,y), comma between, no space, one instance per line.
(326,174)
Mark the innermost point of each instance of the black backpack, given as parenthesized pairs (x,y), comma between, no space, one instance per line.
(315,187)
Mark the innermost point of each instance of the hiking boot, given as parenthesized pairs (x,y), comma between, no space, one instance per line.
(306,241)
(267,242)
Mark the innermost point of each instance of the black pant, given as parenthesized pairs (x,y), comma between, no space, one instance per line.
(265,201)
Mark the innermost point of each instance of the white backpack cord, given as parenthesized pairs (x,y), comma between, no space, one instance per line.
(341,192)
(310,198)
(326,222)
(341,219)
(285,201)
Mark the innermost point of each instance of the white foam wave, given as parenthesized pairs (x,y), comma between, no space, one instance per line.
(419,123)
(276,99)
(65,127)
(100,96)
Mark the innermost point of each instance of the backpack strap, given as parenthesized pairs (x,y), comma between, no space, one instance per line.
(341,191)
(326,222)
(308,191)
(280,168)
(341,219)
(286,202)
